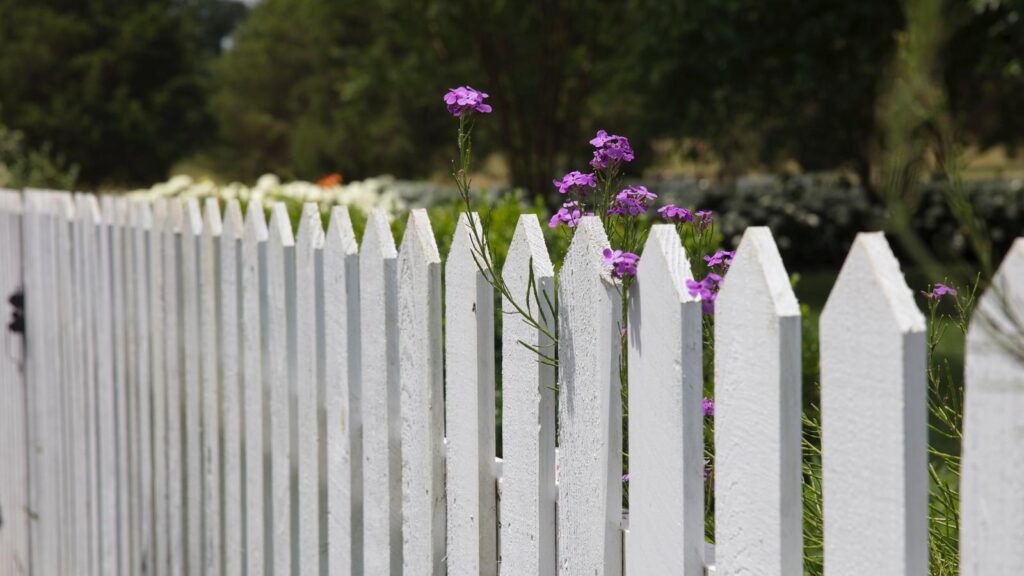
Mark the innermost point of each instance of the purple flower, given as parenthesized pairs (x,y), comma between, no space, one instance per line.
(575,180)
(674,213)
(720,258)
(707,290)
(938,291)
(622,263)
(463,100)
(632,201)
(703,219)
(625,477)
(570,214)
(610,150)
(709,407)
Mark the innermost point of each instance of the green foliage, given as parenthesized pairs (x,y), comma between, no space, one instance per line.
(21,167)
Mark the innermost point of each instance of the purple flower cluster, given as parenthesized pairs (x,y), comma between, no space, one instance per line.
(464,100)
(576,181)
(622,263)
(610,150)
(569,214)
(722,258)
(632,201)
(704,219)
(938,291)
(707,290)
(675,214)
(709,407)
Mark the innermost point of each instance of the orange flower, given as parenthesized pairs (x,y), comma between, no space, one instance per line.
(329,181)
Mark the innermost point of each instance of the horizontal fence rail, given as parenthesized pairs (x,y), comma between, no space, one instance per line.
(198,390)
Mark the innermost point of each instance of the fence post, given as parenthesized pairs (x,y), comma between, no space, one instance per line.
(469,417)
(342,396)
(382,449)
(280,299)
(758,507)
(527,514)
(308,246)
(14,478)
(992,511)
(874,418)
(590,410)
(209,361)
(229,299)
(666,448)
(255,378)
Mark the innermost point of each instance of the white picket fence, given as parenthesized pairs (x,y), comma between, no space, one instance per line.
(203,394)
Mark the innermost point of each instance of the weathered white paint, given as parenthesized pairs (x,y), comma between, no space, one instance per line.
(590,413)
(874,418)
(14,479)
(229,306)
(210,354)
(308,244)
(158,380)
(666,447)
(174,365)
(422,399)
(342,396)
(758,510)
(142,219)
(528,410)
(106,409)
(280,264)
(254,381)
(382,449)
(192,229)
(117,218)
(469,362)
(992,510)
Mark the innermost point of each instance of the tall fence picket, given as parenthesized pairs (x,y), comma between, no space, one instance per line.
(757,408)
(14,478)
(116,215)
(255,377)
(209,344)
(422,398)
(382,450)
(229,306)
(191,275)
(527,511)
(666,448)
(174,369)
(141,232)
(470,424)
(308,246)
(342,397)
(991,509)
(874,419)
(280,264)
(590,414)
(158,382)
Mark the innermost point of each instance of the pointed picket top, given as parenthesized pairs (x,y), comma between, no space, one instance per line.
(158,208)
(87,209)
(279,229)
(666,456)
(144,215)
(378,242)
(528,409)
(255,222)
(64,205)
(418,240)
(463,245)
(757,413)
(311,228)
(234,224)
(212,223)
(192,218)
(175,215)
(590,466)
(340,236)
(991,509)
(874,417)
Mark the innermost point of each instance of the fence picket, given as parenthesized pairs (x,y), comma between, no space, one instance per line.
(758,509)
(590,415)
(142,218)
(342,396)
(666,449)
(992,512)
(209,345)
(469,349)
(382,455)
(255,377)
(422,398)
(308,246)
(174,365)
(229,304)
(14,479)
(280,264)
(158,385)
(873,412)
(527,511)
(191,277)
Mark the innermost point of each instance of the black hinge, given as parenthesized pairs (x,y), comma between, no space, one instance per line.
(17,302)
